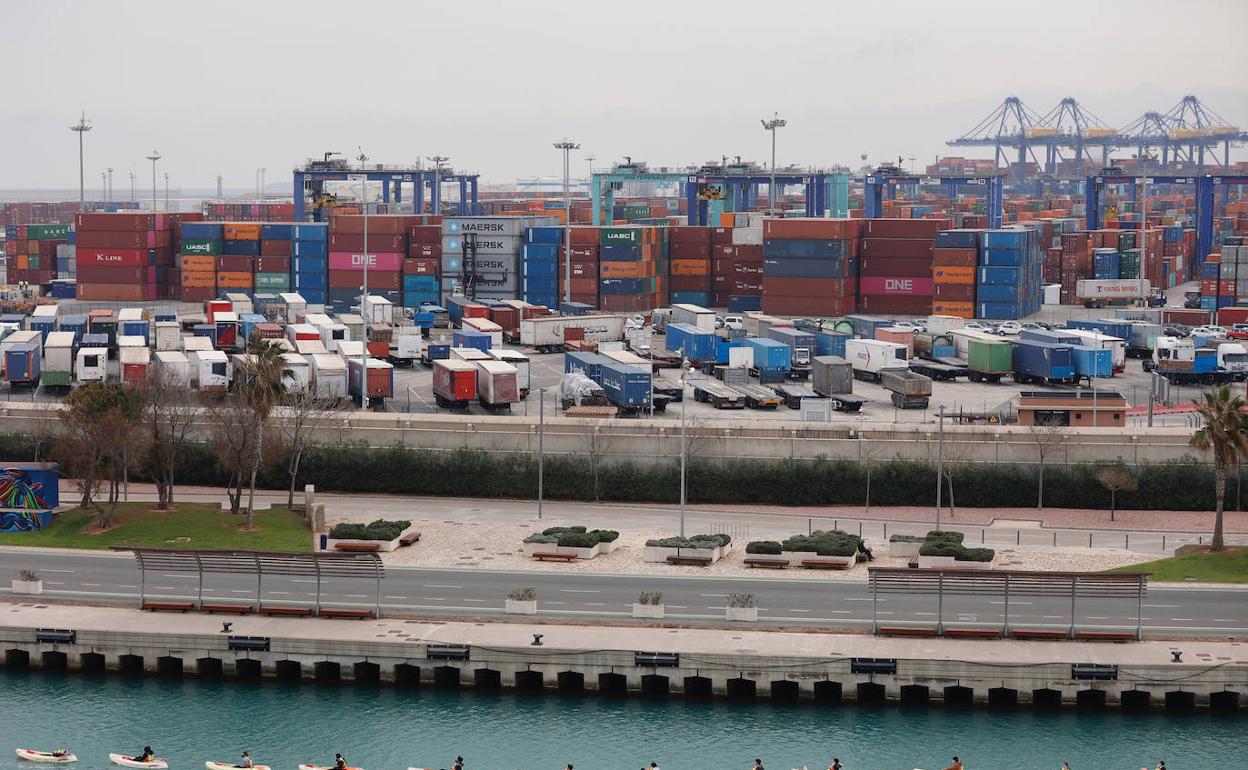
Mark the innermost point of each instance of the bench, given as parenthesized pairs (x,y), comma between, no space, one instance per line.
(823,564)
(1105,636)
(344,613)
(973,633)
(227,609)
(906,631)
(551,556)
(294,612)
(169,606)
(411,538)
(696,561)
(767,563)
(1036,633)
(357,547)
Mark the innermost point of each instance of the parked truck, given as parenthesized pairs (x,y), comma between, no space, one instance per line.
(1116,291)
(22,365)
(134,364)
(58,360)
(833,378)
(497,387)
(717,394)
(548,333)
(627,386)
(521,362)
(1043,363)
(870,357)
(454,383)
(406,345)
(989,360)
(802,344)
(909,390)
(1180,361)
(377,377)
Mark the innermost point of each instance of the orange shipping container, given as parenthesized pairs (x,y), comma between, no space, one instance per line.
(242,231)
(198,279)
(946,274)
(697,267)
(234,280)
(626,269)
(200,262)
(956,309)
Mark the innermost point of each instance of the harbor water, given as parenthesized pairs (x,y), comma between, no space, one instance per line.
(282,725)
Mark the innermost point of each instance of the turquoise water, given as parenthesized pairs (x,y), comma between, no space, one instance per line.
(189,721)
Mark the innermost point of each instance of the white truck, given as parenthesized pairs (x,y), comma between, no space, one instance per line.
(406,345)
(546,334)
(870,357)
(1116,291)
(58,360)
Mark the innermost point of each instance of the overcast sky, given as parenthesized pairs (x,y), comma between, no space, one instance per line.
(227,87)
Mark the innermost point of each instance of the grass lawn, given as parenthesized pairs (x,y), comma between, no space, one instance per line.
(1229,566)
(140,524)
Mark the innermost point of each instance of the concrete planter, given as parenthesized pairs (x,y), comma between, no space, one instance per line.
(521,607)
(743,614)
(29,587)
(972,565)
(937,562)
(769,557)
(581,553)
(382,545)
(796,557)
(651,611)
(658,555)
(908,551)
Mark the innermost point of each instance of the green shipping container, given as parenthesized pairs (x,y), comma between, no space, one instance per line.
(1126,240)
(272,280)
(56,379)
(34,262)
(1129,264)
(207,246)
(990,357)
(610,235)
(47,232)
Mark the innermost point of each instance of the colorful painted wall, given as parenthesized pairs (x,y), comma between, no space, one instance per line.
(28,493)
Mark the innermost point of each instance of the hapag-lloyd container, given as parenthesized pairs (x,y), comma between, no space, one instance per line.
(385,261)
(920,285)
(627,385)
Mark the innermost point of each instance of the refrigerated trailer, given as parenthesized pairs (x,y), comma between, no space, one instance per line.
(547,334)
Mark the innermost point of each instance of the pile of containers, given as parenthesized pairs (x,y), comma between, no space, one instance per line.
(628,268)
(1009,274)
(541,257)
(690,265)
(309,249)
(32,250)
(737,267)
(584,255)
(481,255)
(423,265)
(124,257)
(199,246)
(387,247)
(810,266)
(955,257)
(896,265)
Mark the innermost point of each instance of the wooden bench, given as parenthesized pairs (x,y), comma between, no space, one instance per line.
(906,631)
(823,564)
(345,613)
(294,612)
(696,561)
(767,563)
(411,538)
(227,609)
(169,606)
(1036,633)
(357,547)
(1105,636)
(552,556)
(973,633)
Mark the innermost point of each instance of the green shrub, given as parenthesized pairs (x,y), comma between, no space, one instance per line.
(561,530)
(905,539)
(542,538)
(380,529)
(605,535)
(764,547)
(976,554)
(721,538)
(945,535)
(684,542)
(578,540)
(824,543)
(941,548)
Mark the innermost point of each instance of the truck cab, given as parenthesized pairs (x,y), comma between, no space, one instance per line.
(1233,357)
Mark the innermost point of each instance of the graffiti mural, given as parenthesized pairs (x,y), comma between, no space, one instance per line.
(28,493)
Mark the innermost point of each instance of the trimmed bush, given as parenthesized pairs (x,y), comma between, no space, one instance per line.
(684,542)
(770,547)
(561,530)
(905,539)
(578,540)
(542,538)
(722,539)
(944,535)
(824,543)
(605,535)
(976,554)
(941,548)
(380,529)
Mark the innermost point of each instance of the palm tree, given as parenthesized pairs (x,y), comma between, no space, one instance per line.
(261,387)
(1225,434)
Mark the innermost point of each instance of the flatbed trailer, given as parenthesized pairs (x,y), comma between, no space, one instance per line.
(719,395)
(673,393)
(792,395)
(757,396)
(939,371)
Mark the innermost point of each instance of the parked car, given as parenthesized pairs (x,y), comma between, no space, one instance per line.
(806,324)
(1238,332)
(734,322)
(1177,330)
(978,326)
(1009,328)
(910,325)
(1209,330)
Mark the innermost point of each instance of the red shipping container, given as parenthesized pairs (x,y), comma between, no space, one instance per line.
(421,266)
(895,285)
(118,223)
(581,253)
(955,258)
(353,224)
(747,287)
(582,270)
(691,235)
(584,236)
(690,250)
(341,260)
(273,248)
(236,264)
(817,306)
(274,264)
(116,292)
(689,283)
(377,242)
(425,234)
(116,274)
(895,266)
(103,239)
(901,304)
(806,287)
(954,292)
(896,247)
(814,229)
(354,279)
(746,269)
(424,250)
(198,293)
(904,228)
(752,253)
(131,257)
(721,236)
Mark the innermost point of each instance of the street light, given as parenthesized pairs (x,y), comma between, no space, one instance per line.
(108,196)
(541,448)
(684,371)
(133,193)
(772,125)
(940,465)
(567,147)
(103,186)
(435,195)
(166,191)
(364,289)
(80,128)
(155,156)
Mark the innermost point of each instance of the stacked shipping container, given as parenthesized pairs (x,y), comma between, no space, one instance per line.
(895,275)
(199,246)
(387,248)
(810,266)
(628,268)
(1008,281)
(423,266)
(124,257)
(540,265)
(309,261)
(955,257)
(31,252)
(690,265)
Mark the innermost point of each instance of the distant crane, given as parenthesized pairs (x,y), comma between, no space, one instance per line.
(1011,126)
(1185,133)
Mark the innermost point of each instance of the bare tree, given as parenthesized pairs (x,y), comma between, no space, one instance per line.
(100,423)
(1047,435)
(233,437)
(869,455)
(1116,478)
(301,423)
(956,455)
(43,432)
(169,416)
(597,445)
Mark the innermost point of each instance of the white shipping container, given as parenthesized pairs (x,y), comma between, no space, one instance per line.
(168,335)
(518,360)
(1120,288)
(378,310)
(131,341)
(91,365)
(406,344)
(295,304)
(693,315)
(747,236)
(193,344)
(349,349)
(175,367)
(299,374)
(485,326)
(58,353)
(309,347)
(497,382)
(329,375)
(210,369)
(873,356)
(943,324)
(548,331)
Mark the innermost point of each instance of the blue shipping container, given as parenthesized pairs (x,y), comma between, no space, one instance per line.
(305,232)
(575,308)
(310,249)
(277,231)
(589,364)
(544,235)
(957,239)
(1093,362)
(865,325)
(626,384)
(540,252)
(540,269)
(798,248)
(202,230)
(999,276)
(769,354)
(1054,363)
(805,268)
(697,344)
(794,338)
(21,364)
(470,338)
(743,303)
(830,343)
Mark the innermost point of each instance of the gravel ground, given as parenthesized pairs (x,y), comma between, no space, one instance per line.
(497,545)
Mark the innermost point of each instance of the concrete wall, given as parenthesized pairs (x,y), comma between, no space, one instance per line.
(658,441)
(737,676)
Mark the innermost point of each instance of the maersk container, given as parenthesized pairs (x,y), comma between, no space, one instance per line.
(58,360)
(865,325)
(589,364)
(380,380)
(498,384)
(471,338)
(770,354)
(695,343)
(831,375)
(626,385)
(1043,362)
(1093,362)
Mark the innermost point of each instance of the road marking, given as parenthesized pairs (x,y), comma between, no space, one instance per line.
(595,604)
(882,612)
(924,613)
(1163,606)
(1183,620)
(179,577)
(797,610)
(1097,617)
(1012,604)
(355,596)
(715,596)
(97,585)
(554,602)
(158,588)
(394,597)
(1052,617)
(301,580)
(857,599)
(124,585)
(435,585)
(841,612)
(578,591)
(241,591)
(679,606)
(478,600)
(428,598)
(1224,620)
(45,569)
(54,583)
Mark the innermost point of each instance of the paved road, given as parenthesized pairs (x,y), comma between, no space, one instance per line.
(114,577)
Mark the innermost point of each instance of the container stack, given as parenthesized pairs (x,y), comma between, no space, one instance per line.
(737,268)
(423,265)
(1008,281)
(955,257)
(896,265)
(1107,264)
(629,259)
(584,256)
(1076,264)
(309,261)
(32,250)
(810,266)
(481,255)
(236,265)
(249,212)
(690,266)
(274,264)
(540,256)
(387,248)
(124,257)
(199,246)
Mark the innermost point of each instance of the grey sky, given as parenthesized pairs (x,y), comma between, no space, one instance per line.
(231,86)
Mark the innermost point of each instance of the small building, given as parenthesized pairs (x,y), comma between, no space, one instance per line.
(1073,408)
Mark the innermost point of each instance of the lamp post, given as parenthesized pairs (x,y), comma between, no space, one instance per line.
(103,186)
(771,125)
(435,195)
(684,371)
(567,148)
(133,193)
(541,449)
(155,156)
(364,288)
(166,191)
(940,465)
(108,196)
(80,128)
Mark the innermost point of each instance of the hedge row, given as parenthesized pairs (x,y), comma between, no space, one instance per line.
(381,529)
(1177,485)
(573,537)
(693,541)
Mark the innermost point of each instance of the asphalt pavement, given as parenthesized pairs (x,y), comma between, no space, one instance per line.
(114,578)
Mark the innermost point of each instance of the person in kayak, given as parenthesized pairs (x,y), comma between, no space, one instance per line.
(340,762)
(147,755)
(245,761)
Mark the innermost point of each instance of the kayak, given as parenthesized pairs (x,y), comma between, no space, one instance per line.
(228,766)
(31,755)
(126,761)
(322,767)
